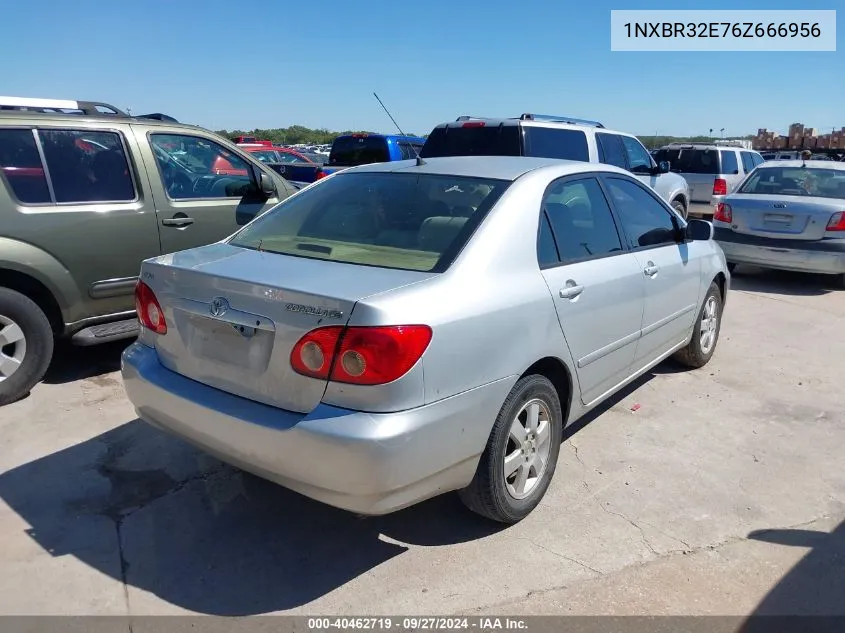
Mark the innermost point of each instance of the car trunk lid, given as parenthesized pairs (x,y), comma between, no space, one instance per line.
(234,315)
(788,217)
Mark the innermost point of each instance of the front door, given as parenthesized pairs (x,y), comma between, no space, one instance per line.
(596,283)
(206,191)
(671,273)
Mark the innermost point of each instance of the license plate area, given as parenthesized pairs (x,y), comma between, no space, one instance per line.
(229,344)
(777,218)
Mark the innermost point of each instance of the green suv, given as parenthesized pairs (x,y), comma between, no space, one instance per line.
(87,192)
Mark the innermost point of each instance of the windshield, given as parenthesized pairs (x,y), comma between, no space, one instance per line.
(497,140)
(350,151)
(407,221)
(796,181)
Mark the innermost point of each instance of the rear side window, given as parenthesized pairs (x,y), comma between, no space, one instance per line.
(611,150)
(350,151)
(21,166)
(747,161)
(729,164)
(407,221)
(473,140)
(548,142)
(87,166)
(581,220)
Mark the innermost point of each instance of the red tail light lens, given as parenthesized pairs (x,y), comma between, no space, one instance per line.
(150,314)
(313,353)
(720,187)
(360,355)
(474,124)
(321,174)
(836,222)
(723,213)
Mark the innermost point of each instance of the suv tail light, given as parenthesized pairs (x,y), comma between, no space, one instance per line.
(836,222)
(723,213)
(360,355)
(321,174)
(150,314)
(474,124)
(720,187)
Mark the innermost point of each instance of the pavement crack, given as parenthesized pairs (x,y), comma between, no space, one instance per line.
(204,476)
(583,466)
(124,567)
(667,535)
(643,536)
(559,555)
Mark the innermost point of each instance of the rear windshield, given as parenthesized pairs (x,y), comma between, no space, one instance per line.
(796,181)
(350,151)
(690,161)
(407,221)
(493,140)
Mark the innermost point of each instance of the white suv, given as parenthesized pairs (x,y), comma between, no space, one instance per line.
(547,136)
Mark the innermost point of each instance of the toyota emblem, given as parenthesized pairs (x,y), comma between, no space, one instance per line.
(219,306)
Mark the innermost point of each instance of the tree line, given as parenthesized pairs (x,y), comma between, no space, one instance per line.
(301,134)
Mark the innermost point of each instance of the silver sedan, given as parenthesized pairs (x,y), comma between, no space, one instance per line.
(788,215)
(401,330)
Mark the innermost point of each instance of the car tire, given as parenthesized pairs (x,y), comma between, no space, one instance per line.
(700,349)
(509,498)
(26,345)
(680,208)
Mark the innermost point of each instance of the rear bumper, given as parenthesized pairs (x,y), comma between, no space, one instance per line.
(701,210)
(826,256)
(363,462)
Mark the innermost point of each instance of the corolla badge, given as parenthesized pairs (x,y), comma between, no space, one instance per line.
(219,306)
(779,205)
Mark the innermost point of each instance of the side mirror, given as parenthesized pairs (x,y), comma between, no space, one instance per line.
(699,230)
(663,167)
(266,185)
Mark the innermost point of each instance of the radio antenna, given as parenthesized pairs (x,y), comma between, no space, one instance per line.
(420,161)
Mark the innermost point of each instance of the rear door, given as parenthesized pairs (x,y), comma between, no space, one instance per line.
(80,196)
(203,191)
(668,266)
(596,284)
(730,166)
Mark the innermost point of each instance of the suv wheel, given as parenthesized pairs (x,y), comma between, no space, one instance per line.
(26,345)
(678,206)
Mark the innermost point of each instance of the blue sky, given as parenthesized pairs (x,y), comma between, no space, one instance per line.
(255,63)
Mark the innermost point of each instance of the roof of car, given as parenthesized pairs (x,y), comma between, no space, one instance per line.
(821,164)
(494,167)
(496,121)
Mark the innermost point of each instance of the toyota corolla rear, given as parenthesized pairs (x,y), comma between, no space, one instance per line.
(267,351)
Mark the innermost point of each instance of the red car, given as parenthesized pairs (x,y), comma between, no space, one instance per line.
(264,153)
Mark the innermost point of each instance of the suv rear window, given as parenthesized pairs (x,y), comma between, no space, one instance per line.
(483,140)
(691,160)
(350,151)
(407,221)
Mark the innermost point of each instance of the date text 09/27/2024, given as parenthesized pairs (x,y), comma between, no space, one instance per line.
(417,623)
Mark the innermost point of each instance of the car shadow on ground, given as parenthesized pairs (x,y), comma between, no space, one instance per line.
(781,282)
(149,510)
(71,362)
(815,586)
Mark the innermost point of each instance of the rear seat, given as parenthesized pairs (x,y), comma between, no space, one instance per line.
(438,232)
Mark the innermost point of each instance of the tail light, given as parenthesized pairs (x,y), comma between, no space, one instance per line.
(321,174)
(836,222)
(473,124)
(150,314)
(360,355)
(723,213)
(720,187)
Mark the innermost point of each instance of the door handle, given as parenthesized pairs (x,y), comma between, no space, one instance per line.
(571,291)
(182,221)
(650,269)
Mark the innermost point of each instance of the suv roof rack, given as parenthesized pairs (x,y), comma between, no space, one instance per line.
(68,106)
(559,119)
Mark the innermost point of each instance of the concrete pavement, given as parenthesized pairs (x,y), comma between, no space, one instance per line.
(650,510)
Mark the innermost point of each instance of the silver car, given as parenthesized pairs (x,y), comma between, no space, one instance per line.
(401,330)
(788,215)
